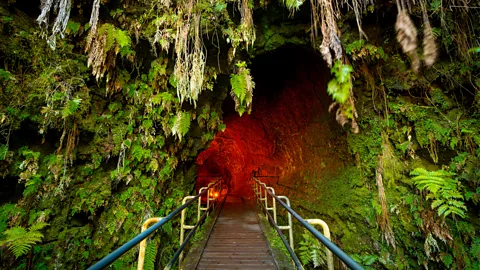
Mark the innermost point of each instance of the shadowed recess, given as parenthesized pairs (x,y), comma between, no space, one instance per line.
(289,130)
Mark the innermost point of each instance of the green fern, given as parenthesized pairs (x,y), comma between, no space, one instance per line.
(310,251)
(71,107)
(242,88)
(443,191)
(181,124)
(114,36)
(20,241)
(150,256)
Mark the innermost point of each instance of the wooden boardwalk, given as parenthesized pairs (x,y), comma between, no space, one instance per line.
(237,242)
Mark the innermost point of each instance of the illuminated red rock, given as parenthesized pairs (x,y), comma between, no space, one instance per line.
(290,134)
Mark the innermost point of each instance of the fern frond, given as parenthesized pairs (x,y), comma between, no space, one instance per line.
(38,226)
(150,256)
(19,241)
(123,39)
(242,88)
(443,190)
(437,203)
(181,124)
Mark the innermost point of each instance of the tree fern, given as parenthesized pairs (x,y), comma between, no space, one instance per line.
(443,191)
(20,241)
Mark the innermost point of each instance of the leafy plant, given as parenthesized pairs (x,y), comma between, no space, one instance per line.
(5,75)
(443,190)
(242,88)
(114,36)
(20,241)
(311,251)
(339,87)
(71,107)
(359,50)
(150,256)
(181,124)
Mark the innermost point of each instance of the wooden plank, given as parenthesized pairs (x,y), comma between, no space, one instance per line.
(237,241)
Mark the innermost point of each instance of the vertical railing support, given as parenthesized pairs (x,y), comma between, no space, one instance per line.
(326,232)
(183,226)
(143,244)
(289,227)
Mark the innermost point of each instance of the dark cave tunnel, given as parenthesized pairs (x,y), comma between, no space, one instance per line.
(289,131)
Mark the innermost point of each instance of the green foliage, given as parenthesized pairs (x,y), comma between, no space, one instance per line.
(181,124)
(293,5)
(73,27)
(242,88)
(339,86)
(150,256)
(20,241)
(5,211)
(116,37)
(443,190)
(5,75)
(359,49)
(474,50)
(310,251)
(71,107)
(3,151)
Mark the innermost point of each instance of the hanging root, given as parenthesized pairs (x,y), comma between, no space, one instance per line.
(93,24)
(429,47)
(384,218)
(323,13)
(407,37)
(248,27)
(62,7)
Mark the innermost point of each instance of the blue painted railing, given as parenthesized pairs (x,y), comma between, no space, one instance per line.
(110,258)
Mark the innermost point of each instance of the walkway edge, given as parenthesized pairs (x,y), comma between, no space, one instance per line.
(192,259)
(280,257)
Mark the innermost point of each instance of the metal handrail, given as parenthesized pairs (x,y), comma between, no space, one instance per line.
(331,246)
(107,260)
(258,194)
(289,247)
(211,200)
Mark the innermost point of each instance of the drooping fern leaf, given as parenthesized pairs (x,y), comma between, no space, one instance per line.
(20,241)
(303,254)
(443,191)
(181,124)
(150,256)
(242,88)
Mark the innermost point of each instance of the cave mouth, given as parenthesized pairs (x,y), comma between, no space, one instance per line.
(289,130)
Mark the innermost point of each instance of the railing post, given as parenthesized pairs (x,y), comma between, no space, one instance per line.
(184,226)
(274,205)
(289,227)
(326,232)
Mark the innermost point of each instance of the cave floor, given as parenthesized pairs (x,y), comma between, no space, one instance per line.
(237,241)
